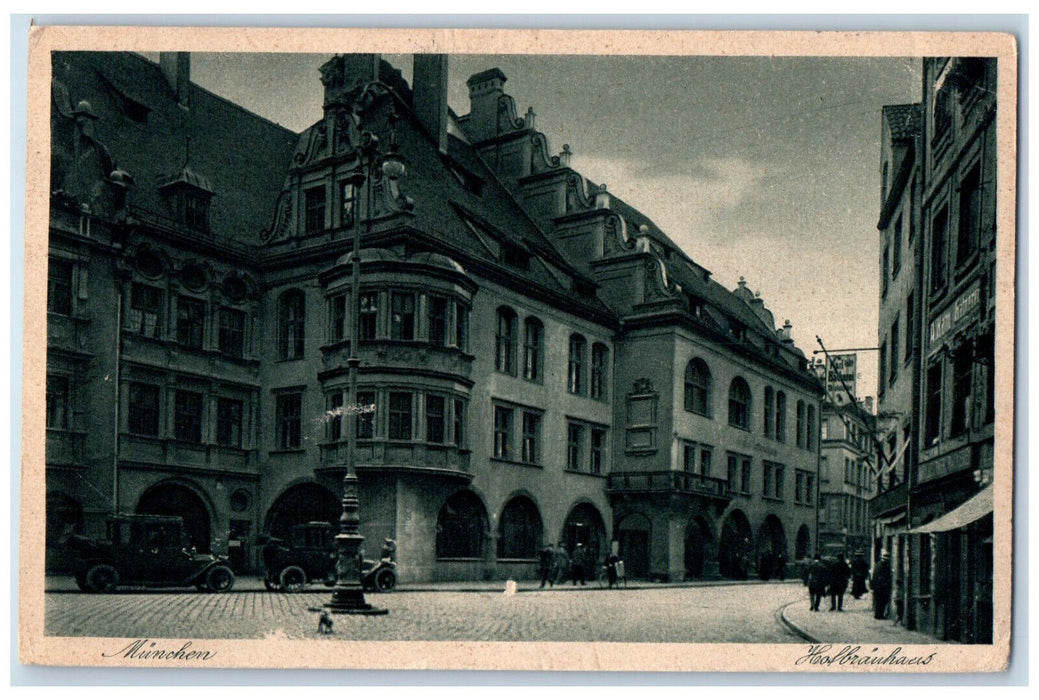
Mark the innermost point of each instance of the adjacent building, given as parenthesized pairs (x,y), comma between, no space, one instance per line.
(846,485)
(538,361)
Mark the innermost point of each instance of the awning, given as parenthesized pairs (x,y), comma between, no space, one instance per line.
(973,509)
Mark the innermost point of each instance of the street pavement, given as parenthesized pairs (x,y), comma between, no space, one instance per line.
(723,611)
(855,624)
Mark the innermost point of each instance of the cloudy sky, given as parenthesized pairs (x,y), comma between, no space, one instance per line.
(766,168)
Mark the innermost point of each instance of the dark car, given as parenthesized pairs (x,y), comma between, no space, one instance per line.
(145,550)
(309,554)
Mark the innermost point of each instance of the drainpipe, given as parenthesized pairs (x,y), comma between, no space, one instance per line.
(115,414)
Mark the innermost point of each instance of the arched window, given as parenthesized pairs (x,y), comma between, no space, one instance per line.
(533,337)
(698,387)
(769,412)
(575,368)
(505,341)
(800,424)
(739,404)
(461,527)
(781,416)
(810,429)
(291,322)
(519,534)
(600,370)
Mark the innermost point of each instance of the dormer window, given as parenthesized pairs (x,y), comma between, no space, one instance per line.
(314,203)
(188,195)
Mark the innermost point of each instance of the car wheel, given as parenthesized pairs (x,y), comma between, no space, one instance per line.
(385,580)
(201,587)
(270,582)
(293,579)
(220,578)
(101,578)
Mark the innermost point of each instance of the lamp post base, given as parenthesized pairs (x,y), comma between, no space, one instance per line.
(350,601)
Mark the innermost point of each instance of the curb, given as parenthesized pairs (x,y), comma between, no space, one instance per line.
(782,618)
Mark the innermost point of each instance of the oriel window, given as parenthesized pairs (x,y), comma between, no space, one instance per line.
(368,316)
(402,316)
(400,415)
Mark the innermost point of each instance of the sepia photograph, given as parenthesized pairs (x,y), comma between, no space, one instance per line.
(525,350)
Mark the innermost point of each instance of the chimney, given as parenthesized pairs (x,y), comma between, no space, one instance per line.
(176,66)
(345,75)
(429,85)
(869,404)
(784,333)
(484,90)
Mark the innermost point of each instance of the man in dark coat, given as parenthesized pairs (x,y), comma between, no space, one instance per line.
(881,585)
(578,563)
(817,580)
(859,574)
(545,558)
(839,573)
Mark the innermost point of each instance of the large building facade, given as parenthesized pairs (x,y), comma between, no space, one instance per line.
(846,485)
(945,548)
(538,362)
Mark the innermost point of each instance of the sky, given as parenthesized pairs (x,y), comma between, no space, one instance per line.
(760,167)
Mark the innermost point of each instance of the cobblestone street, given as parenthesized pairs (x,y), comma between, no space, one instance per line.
(710,613)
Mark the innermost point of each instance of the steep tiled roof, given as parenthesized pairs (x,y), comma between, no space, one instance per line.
(240,156)
(903,120)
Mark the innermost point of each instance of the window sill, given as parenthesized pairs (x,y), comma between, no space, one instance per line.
(517,560)
(461,559)
(513,462)
(584,473)
(773,499)
(287,451)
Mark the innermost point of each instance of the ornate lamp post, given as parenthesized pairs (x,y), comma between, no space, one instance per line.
(348,596)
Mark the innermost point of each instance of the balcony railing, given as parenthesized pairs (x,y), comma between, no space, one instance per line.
(668,482)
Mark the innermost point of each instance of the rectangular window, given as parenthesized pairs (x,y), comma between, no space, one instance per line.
(288,411)
(187,414)
(145,311)
(143,409)
(733,473)
(810,489)
(780,416)
(459,423)
(799,487)
(938,253)
(438,321)
(884,270)
(315,209)
(229,422)
(910,310)
(348,200)
(933,420)
(705,461)
(689,456)
(59,287)
(893,364)
(435,419)
(337,318)
(598,449)
(461,327)
(368,316)
(970,216)
(400,415)
(57,402)
(575,367)
(191,315)
(574,438)
(896,247)
(780,479)
(195,212)
(599,358)
(502,429)
(766,481)
(335,416)
(962,380)
(232,332)
(365,420)
(745,475)
(532,350)
(883,364)
(402,316)
(531,433)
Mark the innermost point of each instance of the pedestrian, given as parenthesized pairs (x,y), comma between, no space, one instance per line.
(611,569)
(561,566)
(816,582)
(781,566)
(577,566)
(839,573)
(545,558)
(859,573)
(881,585)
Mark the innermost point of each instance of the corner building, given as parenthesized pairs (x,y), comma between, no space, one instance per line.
(538,362)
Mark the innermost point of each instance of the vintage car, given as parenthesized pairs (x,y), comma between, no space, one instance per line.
(310,555)
(145,550)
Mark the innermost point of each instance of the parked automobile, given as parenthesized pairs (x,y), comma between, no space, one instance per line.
(145,550)
(310,555)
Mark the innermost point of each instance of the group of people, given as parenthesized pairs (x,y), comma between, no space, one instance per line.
(830,578)
(556,565)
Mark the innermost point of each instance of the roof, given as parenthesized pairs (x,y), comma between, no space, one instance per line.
(975,508)
(903,120)
(213,144)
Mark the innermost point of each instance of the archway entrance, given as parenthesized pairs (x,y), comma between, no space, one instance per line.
(519,530)
(735,547)
(803,543)
(771,542)
(633,536)
(699,547)
(584,524)
(461,527)
(181,501)
(302,503)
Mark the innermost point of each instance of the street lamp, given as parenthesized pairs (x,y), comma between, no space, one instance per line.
(348,595)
